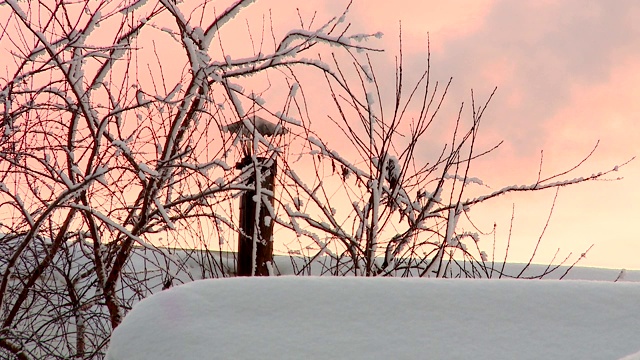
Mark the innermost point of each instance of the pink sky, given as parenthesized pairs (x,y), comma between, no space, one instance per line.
(568,75)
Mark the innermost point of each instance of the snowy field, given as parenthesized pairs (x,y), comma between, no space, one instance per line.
(383,318)
(326,316)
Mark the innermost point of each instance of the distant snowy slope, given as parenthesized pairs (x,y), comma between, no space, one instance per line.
(383,318)
(635,356)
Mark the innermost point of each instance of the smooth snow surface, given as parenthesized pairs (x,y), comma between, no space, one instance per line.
(635,356)
(383,318)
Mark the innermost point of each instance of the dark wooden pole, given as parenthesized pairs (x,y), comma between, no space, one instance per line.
(248,227)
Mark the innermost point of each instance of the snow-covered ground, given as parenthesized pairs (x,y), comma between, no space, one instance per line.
(383,318)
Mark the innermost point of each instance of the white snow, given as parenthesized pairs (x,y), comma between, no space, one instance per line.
(136,5)
(635,356)
(383,318)
(466,180)
(144,167)
(163,213)
(288,119)
(245,127)
(294,90)
(170,96)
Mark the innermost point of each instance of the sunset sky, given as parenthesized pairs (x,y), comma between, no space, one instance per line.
(568,75)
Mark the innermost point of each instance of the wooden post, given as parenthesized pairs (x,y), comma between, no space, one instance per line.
(248,202)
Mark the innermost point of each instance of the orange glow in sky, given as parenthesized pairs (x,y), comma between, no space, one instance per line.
(567,77)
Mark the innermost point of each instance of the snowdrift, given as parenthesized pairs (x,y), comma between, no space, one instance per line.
(380,318)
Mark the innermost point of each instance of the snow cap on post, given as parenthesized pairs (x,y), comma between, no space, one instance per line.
(262,126)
